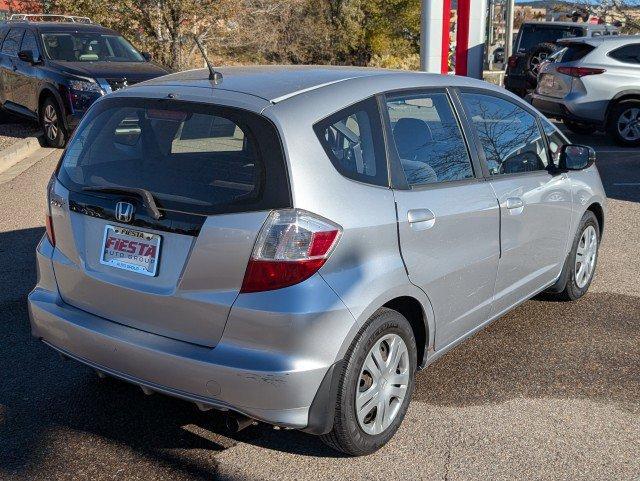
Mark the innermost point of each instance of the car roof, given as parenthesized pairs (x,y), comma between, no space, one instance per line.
(609,40)
(275,83)
(60,26)
(588,26)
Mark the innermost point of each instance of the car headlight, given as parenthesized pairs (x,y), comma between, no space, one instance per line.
(84,86)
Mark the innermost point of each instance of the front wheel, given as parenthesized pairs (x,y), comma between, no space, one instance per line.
(55,134)
(581,262)
(376,384)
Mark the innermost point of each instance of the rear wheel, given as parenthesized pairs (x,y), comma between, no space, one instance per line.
(55,134)
(579,127)
(624,123)
(376,385)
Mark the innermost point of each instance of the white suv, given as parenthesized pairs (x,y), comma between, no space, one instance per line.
(593,85)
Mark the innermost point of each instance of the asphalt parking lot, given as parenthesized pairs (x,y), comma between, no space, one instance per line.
(549,391)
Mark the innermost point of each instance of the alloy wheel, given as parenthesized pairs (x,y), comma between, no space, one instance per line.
(537,61)
(586,254)
(383,384)
(629,124)
(50,121)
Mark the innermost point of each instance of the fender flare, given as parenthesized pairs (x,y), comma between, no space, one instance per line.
(50,89)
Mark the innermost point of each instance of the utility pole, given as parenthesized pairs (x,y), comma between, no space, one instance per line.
(508,41)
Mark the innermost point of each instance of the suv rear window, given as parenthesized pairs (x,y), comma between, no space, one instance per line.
(200,159)
(574,51)
(532,35)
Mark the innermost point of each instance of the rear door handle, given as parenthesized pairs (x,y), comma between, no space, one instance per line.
(421,219)
(514,203)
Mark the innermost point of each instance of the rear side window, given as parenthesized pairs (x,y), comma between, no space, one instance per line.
(428,139)
(574,51)
(627,54)
(352,138)
(11,43)
(509,135)
(192,158)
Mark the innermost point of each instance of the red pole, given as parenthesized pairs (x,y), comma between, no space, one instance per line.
(462,36)
(446,39)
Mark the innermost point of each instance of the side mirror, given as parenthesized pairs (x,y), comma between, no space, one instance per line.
(147,56)
(576,157)
(26,56)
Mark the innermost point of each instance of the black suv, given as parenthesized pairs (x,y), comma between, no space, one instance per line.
(52,71)
(536,41)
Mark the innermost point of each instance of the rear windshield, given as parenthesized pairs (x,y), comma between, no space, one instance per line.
(532,35)
(573,52)
(193,158)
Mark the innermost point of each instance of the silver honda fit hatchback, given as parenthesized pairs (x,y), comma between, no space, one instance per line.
(292,244)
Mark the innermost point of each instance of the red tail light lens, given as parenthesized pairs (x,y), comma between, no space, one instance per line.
(49,227)
(580,71)
(292,245)
(513,61)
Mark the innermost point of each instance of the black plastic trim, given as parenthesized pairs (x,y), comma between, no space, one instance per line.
(323,407)
(102,206)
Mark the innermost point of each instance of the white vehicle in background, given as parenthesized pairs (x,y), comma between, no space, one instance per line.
(594,84)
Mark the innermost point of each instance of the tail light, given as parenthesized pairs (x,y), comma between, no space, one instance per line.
(580,71)
(292,245)
(513,61)
(49,227)
(48,222)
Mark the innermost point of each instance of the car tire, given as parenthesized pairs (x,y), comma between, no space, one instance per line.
(624,113)
(537,55)
(572,285)
(55,134)
(360,432)
(579,127)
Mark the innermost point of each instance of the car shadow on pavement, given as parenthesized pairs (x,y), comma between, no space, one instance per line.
(587,349)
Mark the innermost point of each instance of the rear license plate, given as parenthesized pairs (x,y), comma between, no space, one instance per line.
(131,250)
(547,81)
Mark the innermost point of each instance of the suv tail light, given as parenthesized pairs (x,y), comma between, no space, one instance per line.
(580,71)
(513,61)
(292,245)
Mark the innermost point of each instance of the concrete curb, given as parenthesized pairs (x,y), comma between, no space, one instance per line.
(18,151)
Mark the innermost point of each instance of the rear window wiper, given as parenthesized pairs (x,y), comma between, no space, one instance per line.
(147,197)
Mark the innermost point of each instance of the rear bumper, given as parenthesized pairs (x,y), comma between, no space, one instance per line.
(267,385)
(566,109)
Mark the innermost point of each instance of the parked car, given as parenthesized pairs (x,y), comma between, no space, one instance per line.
(291,244)
(536,41)
(52,68)
(593,85)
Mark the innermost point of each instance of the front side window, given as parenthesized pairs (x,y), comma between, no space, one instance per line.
(89,47)
(428,139)
(29,42)
(509,135)
(352,138)
(12,41)
(192,158)
(627,54)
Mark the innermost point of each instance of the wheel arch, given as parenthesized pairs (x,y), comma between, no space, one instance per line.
(631,94)
(598,211)
(48,91)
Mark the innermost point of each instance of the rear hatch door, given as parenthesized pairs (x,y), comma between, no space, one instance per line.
(159,205)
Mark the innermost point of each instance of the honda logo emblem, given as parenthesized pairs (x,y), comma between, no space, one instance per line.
(124,211)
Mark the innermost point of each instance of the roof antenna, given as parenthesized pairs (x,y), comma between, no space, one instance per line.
(214,75)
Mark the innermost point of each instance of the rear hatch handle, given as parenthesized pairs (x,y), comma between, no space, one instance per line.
(147,197)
